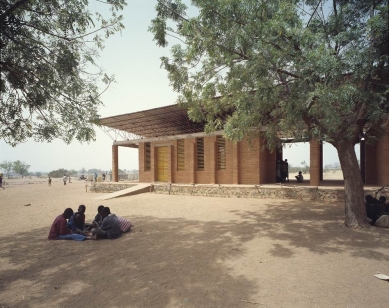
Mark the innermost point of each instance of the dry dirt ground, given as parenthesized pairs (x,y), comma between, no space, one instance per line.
(187,252)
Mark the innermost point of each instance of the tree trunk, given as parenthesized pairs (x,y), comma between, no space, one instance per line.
(355,211)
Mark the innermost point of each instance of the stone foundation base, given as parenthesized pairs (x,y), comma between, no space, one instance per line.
(105,187)
(261,192)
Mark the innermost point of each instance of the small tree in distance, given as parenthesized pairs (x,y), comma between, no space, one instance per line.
(7,167)
(21,168)
(59,173)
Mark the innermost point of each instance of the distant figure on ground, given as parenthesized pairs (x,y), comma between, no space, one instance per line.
(64,179)
(98,219)
(286,168)
(1,181)
(103,176)
(59,230)
(299,177)
(125,225)
(49,181)
(77,220)
(110,227)
(69,178)
(95,176)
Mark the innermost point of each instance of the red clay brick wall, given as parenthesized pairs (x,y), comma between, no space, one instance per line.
(242,163)
(144,176)
(271,166)
(208,175)
(371,164)
(383,159)
(235,163)
(226,176)
(249,162)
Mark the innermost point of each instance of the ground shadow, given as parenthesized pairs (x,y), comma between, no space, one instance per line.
(162,263)
(318,228)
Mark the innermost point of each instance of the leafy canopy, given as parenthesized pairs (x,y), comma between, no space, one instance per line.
(306,68)
(49,78)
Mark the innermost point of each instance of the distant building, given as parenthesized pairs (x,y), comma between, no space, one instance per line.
(174,149)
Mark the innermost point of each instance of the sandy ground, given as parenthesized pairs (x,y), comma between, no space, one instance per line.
(188,252)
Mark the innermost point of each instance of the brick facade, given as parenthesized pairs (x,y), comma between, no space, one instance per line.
(246,163)
(377,161)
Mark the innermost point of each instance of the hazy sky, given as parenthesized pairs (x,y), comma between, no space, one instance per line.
(134,59)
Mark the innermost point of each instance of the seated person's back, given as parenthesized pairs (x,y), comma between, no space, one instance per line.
(110,228)
(125,225)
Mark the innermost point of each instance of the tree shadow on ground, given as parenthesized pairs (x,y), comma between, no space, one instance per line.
(318,228)
(171,262)
(162,263)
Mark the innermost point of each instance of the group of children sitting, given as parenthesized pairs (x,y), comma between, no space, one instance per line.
(105,225)
(377,211)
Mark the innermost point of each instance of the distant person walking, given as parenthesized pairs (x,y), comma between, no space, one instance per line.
(49,181)
(95,176)
(69,179)
(64,179)
(1,181)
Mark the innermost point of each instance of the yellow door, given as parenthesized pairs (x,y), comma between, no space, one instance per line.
(162,164)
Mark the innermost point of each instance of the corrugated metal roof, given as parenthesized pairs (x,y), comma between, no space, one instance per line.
(163,121)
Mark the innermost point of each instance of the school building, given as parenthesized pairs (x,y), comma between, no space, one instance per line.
(174,149)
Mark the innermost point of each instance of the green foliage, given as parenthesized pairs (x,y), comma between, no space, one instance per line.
(20,167)
(321,72)
(59,173)
(49,79)
(7,167)
(73,172)
(38,174)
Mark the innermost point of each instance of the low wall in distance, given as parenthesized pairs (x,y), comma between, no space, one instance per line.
(104,187)
(261,192)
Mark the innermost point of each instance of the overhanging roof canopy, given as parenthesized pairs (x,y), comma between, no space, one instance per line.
(164,121)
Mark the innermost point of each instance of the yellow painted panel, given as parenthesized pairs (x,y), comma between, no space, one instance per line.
(162,165)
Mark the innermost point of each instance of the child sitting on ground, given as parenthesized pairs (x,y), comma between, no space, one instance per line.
(299,177)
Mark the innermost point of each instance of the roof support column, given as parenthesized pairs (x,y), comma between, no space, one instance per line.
(315,161)
(115,163)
